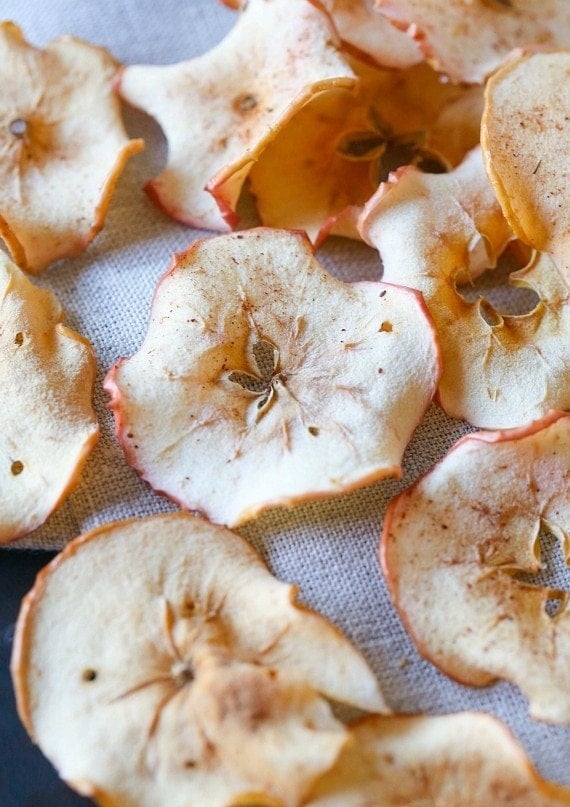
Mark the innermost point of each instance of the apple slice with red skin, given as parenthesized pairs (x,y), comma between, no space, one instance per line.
(451,549)
(218,111)
(467,41)
(48,423)
(525,136)
(264,381)
(340,146)
(63,146)
(158,662)
(435,233)
(467,758)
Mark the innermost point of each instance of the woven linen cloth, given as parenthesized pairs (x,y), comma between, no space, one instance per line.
(329,548)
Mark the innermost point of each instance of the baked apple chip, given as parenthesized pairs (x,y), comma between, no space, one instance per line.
(62,146)
(525,136)
(340,146)
(158,662)
(468,758)
(465,533)
(219,111)
(264,381)
(48,423)
(469,40)
(435,233)
(362,28)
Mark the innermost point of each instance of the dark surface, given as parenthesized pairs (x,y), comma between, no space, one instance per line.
(26,778)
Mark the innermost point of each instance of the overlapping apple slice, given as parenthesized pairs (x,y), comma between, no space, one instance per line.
(525,136)
(363,28)
(469,40)
(48,424)
(158,662)
(62,146)
(339,147)
(449,760)
(463,534)
(219,111)
(265,381)
(436,232)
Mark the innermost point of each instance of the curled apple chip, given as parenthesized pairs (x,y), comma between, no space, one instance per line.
(340,146)
(469,40)
(264,381)
(62,146)
(437,232)
(218,111)
(48,423)
(363,28)
(465,533)
(448,760)
(525,136)
(157,661)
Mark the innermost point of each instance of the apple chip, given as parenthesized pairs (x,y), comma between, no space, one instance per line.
(363,28)
(465,533)
(436,232)
(48,423)
(339,147)
(469,40)
(468,758)
(219,111)
(157,661)
(62,146)
(264,381)
(526,143)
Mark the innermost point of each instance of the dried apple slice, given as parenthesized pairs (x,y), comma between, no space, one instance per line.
(469,40)
(219,111)
(157,661)
(526,143)
(434,232)
(265,381)
(62,143)
(464,532)
(361,27)
(340,146)
(48,423)
(449,760)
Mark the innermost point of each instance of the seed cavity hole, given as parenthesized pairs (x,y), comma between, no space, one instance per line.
(385,327)
(183,673)
(553,606)
(89,675)
(187,608)
(553,574)
(17,467)
(19,338)
(244,103)
(498,296)
(18,127)
(313,431)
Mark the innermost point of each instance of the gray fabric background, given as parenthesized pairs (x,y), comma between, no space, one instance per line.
(328,549)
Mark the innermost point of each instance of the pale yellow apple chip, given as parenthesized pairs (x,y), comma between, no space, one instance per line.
(362,27)
(48,423)
(454,546)
(340,146)
(469,39)
(434,233)
(219,111)
(62,146)
(158,662)
(468,758)
(265,381)
(526,143)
